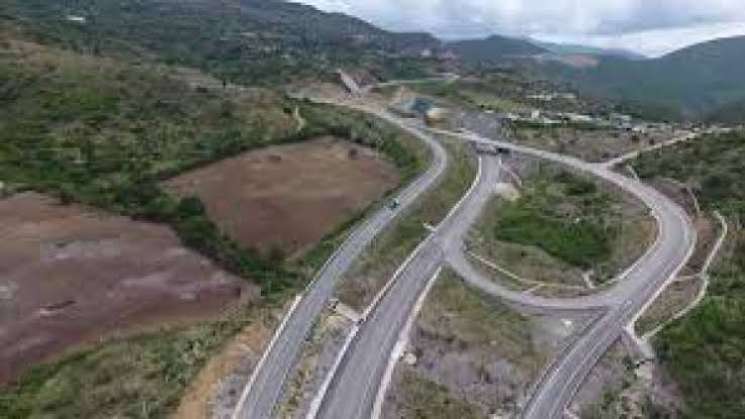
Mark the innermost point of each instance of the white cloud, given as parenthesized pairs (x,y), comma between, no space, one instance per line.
(653,43)
(649,26)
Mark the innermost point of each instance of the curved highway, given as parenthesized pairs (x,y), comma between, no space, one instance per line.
(357,383)
(638,287)
(265,385)
(355,387)
(360,376)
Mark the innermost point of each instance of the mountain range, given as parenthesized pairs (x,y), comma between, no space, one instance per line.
(274,41)
(697,82)
(574,49)
(701,82)
(493,49)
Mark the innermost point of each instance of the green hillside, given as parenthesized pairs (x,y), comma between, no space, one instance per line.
(493,49)
(691,83)
(568,49)
(703,350)
(732,113)
(250,42)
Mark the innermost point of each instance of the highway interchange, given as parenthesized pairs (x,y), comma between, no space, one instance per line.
(360,380)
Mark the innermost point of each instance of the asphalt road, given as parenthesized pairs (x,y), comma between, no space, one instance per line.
(354,388)
(356,384)
(636,288)
(266,384)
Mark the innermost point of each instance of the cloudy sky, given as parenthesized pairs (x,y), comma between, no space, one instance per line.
(651,27)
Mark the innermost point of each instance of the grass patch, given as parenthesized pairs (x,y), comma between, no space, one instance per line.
(562,225)
(561,214)
(425,399)
(141,377)
(377,265)
(581,243)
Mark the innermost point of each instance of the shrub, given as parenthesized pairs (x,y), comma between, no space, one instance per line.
(190,206)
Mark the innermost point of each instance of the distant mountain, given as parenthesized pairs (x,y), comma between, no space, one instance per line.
(272,42)
(305,21)
(732,113)
(691,83)
(575,49)
(247,41)
(493,49)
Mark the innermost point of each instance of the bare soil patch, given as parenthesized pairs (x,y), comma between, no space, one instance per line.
(70,275)
(289,197)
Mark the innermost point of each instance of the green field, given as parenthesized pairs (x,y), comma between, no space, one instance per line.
(572,232)
(562,226)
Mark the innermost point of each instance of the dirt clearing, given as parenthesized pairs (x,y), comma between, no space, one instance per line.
(69,275)
(289,197)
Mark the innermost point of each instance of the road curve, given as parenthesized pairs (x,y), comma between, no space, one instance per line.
(639,286)
(354,388)
(265,385)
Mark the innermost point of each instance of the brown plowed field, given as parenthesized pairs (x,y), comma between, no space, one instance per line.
(69,276)
(289,196)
